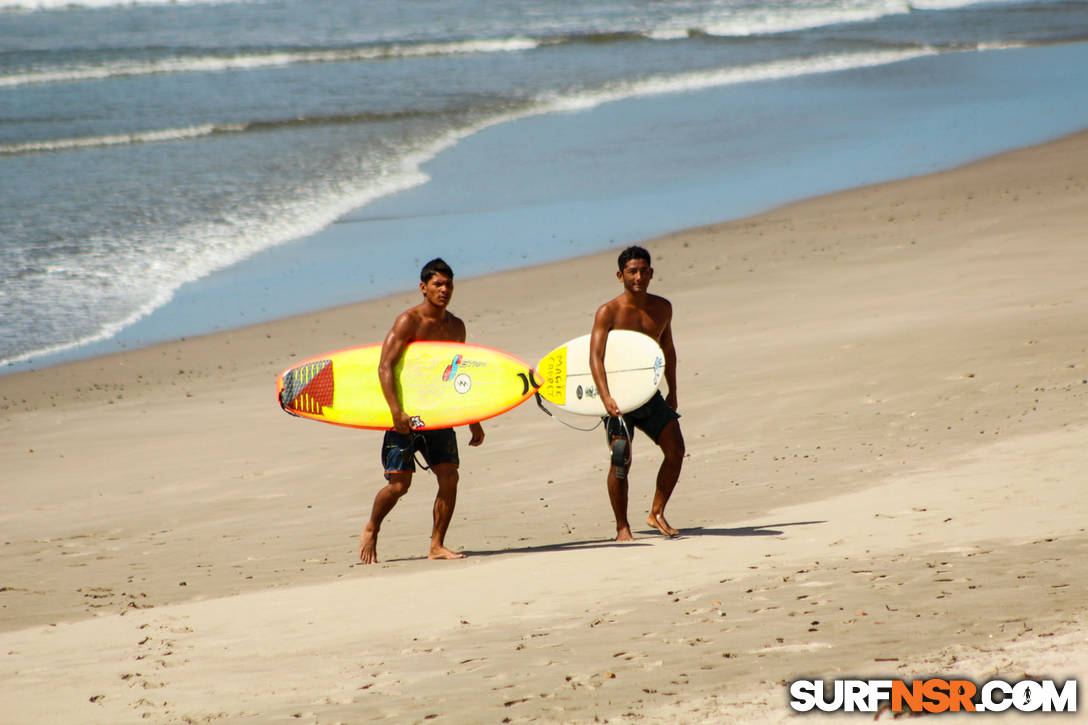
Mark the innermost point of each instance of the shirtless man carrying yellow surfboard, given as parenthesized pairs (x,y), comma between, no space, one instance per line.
(638,310)
(429,320)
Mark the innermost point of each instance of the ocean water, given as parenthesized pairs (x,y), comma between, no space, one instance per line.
(148,149)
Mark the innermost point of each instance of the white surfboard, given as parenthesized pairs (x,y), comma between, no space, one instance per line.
(633,362)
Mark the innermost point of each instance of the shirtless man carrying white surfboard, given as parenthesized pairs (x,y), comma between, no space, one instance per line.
(638,310)
(429,320)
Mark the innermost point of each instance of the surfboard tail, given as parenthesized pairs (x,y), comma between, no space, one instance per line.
(308,389)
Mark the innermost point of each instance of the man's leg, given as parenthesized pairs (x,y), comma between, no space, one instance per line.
(671,442)
(619,446)
(444,503)
(383,503)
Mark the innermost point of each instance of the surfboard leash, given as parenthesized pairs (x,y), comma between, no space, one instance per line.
(412,438)
(540,404)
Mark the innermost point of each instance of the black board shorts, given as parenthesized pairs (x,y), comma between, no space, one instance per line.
(651,419)
(437,446)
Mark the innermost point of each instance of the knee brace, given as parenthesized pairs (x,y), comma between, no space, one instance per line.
(621,456)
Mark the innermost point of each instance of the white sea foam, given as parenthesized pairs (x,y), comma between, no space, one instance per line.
(667,33)
(684,82)
(1001,46)
(954,4)
(733,21)
(151,280)
(122,139)
(256,61)
(33,5)
(770,21)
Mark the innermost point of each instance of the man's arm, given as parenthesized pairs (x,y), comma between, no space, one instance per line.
(598,341)
(393,347)
(669,349)
(477,430)
(458,333)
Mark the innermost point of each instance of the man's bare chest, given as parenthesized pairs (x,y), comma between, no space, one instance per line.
(428,330)
(643,321)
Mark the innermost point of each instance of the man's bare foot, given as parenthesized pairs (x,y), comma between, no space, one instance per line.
(623,535)
(658,522)
(368,546)
(441,552)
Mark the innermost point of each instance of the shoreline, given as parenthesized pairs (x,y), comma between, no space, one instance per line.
(883,394)
(560,196)
(251,334)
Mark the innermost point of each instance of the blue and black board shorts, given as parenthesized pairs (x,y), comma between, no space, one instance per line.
(437,446)
(651,419)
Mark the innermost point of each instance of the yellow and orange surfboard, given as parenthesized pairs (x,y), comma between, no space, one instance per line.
(440,385)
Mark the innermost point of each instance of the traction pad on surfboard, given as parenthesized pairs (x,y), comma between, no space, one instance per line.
(308,388)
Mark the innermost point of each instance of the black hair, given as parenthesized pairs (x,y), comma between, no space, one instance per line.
(435,266)
(633,252)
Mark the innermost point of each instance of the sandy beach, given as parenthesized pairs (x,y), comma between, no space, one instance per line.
(885,400)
